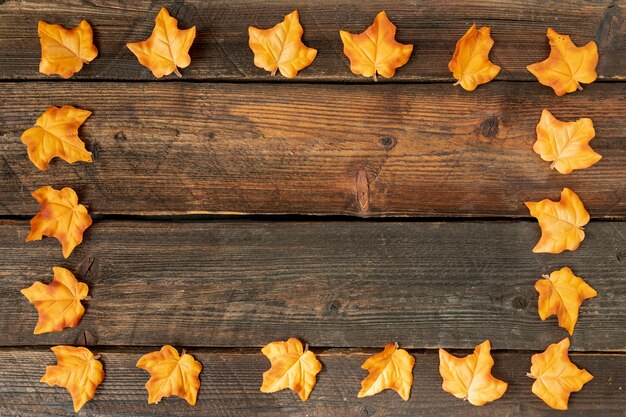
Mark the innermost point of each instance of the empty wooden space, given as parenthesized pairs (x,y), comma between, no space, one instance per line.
(333,284)
(427,150)
(229,207)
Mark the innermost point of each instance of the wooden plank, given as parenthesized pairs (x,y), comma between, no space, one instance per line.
(415,150)
(231,381)
(334,284)
(221,49)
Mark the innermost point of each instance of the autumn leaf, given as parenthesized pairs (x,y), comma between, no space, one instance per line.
(470,64)
(292,367)
(561,222)
(167,49)
(375,51)
(567,66)
(56,135)
(562,293)
(60,216)
(281,47)
(78,370)
(58,303)
(556,376)
(566,144)
(171,374)
(390,369)
(64,51)
(470,378)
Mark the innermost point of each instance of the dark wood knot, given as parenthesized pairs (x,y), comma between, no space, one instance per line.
(519,302)
(120,136)
(388,142)
(489,127)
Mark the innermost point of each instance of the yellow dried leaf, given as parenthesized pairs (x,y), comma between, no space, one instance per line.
(556,376)
(56,135)
(64,51)
(561,222)
(375,51)
(171,374)
(78,370)
(390,369)
(470,378)
(292,367)
(167,49)
(60,216)
(567,66)
(470,64)
(562,293)
(281,47)
(58,303)
(566,144)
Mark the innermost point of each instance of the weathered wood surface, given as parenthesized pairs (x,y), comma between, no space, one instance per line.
(416,150)
(231,381)
(221,49)
(334,284)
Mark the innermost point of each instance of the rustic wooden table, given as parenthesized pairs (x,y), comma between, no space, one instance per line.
(200,187)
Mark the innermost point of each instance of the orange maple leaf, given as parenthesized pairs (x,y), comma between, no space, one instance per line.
(375,51)
(567,66)
(566,144)
(556,376)
(60,216)
(171,374)
(561,222)
(390,369)
(58,303)
(64,51)
(78,370)
(292,367)
(281,47)
(470,64)
(167,49)
(562,293)
(56,135)
(470,378)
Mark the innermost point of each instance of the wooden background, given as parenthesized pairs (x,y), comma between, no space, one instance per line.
(202,190)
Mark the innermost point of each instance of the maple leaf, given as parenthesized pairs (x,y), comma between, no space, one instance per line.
(78,370)
(566,144)
(171,374)
(281,47)
(64,51)
(567,66)
(562,293)
(167,49)
(375,51)
(60,216)
(470,378)
(58,303)
(56,135)
(392,368)
(561,222)
(470,64)
(292,367)
(556,376)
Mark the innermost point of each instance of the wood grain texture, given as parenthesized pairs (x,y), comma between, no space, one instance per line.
(221,50)
(231,381)
(384,150)
(333,284)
